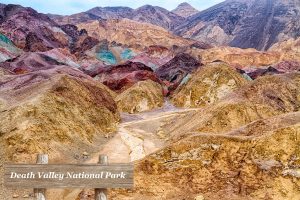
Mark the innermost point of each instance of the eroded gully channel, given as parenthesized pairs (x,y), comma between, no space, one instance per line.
(138,135)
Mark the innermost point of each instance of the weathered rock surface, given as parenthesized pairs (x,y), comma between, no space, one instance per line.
(157,16)
(284,58)
(287,45)
(154,56)
(136,35)
(289,49)
(287,66)
(265,97)
(110,53)
(177,69)
(208,85)
(201,45)
(94,14)
(80,41)
(263,72)
(30,30)
(251,61)
(143,96)
(246,147)
(147,14)
(35,61)
(7,49)
(46,112)
(121,77)
(227,167)
(246,24)
(185,10)
(33,31)
(239,57)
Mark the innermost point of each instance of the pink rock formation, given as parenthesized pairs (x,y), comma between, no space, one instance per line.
(121,77)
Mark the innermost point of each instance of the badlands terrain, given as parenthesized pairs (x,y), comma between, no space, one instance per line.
(205,104)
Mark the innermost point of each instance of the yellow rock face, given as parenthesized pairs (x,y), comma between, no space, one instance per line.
(143,96)
(53,114)
(208,85)
(263,98)
(222,167)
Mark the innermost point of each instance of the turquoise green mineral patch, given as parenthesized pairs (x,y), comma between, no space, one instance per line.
(9,48)
(5,39)
(127,54)
(107,56)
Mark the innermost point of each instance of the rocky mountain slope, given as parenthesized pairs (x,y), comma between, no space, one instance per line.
(122,77)
(228,167)
(134,34)
(33,31)
(246,24)
(177,70)
(238,23)
(7,49)
(36,61)
(208,85)
(148,14)
(185,10)
(157,16)
(283,56)
(265,97)
(30,112)
(94,14)
(30,30)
